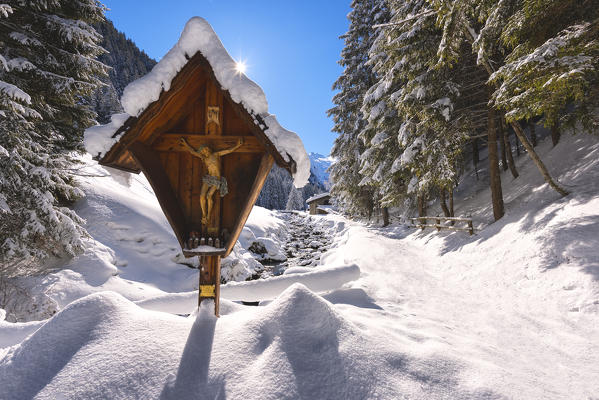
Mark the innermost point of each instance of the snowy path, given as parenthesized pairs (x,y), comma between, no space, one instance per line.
(505,338)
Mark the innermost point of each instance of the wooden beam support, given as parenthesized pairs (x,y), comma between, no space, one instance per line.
(209,287)
(263,170)
(150,164)
(170,142)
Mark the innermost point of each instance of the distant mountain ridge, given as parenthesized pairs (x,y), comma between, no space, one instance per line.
(319,167)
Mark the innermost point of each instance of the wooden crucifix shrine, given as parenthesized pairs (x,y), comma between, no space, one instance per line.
(206,158)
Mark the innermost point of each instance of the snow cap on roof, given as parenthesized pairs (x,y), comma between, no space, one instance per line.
(318,197)
(198,36)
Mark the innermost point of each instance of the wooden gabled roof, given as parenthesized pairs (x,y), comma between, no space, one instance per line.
(153,121)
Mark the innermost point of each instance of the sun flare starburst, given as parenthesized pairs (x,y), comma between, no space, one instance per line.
(240,67)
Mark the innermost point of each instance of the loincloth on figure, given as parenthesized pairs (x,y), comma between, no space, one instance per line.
(218,182)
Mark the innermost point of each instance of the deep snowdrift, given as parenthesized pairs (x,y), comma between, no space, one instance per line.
(103,346)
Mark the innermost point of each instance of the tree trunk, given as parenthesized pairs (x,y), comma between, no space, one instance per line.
(421,205)
(502,147)
(451,214)
(385,216)
(508,146)
(555,134)
(537,160)
(475,156)
(468,31)
(495,178)
(517,145)
(444,203)
(533,134)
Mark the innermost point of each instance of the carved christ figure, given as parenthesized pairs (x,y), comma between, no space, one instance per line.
(213,180)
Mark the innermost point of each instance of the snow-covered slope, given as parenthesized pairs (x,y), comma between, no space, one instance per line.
(319,165)
(511,312)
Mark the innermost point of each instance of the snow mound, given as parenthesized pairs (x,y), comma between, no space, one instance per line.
(99,139)
(74,343)
(298,346)
(198,36)
(320,279)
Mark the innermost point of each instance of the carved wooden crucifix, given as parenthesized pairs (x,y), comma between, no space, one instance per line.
(213,180)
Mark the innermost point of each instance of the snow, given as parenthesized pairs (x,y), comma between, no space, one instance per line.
(198,36)
(318,197)
(320,279)
(5,10)
(511,312)
(207,249)
(290,146)
(99,139)
(14,92)
(326,208)
(298,346)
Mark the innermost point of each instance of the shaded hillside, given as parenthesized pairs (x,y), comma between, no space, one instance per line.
(127,63)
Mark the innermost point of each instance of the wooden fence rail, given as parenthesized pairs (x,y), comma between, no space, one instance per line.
(421,222)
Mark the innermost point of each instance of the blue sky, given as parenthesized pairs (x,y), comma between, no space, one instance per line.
(291,49)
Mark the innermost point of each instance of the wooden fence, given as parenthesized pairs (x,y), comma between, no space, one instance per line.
(421,222)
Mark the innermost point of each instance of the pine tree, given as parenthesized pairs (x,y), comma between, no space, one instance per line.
(48,66)
(295,200)
(419,103)
(347,117)
(553,62)
(475,24)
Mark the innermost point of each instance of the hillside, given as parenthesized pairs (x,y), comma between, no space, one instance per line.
(511,312)
(127,63)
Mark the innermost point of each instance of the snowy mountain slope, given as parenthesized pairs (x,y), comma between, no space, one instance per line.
(319,166)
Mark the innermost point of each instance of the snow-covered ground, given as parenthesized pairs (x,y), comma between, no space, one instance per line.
(511,312)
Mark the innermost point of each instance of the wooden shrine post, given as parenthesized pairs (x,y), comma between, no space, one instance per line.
(206,158)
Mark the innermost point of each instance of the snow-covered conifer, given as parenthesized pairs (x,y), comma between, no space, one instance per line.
(47,66)
(473,24)
(553,62)
(415,103)
(295,200)
(347,117)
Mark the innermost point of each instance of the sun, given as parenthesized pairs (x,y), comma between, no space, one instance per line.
(240,67)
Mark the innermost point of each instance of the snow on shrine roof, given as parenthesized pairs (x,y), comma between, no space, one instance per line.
(318,197)
(198,36)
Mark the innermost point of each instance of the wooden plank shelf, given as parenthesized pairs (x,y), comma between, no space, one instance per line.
(204,251)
